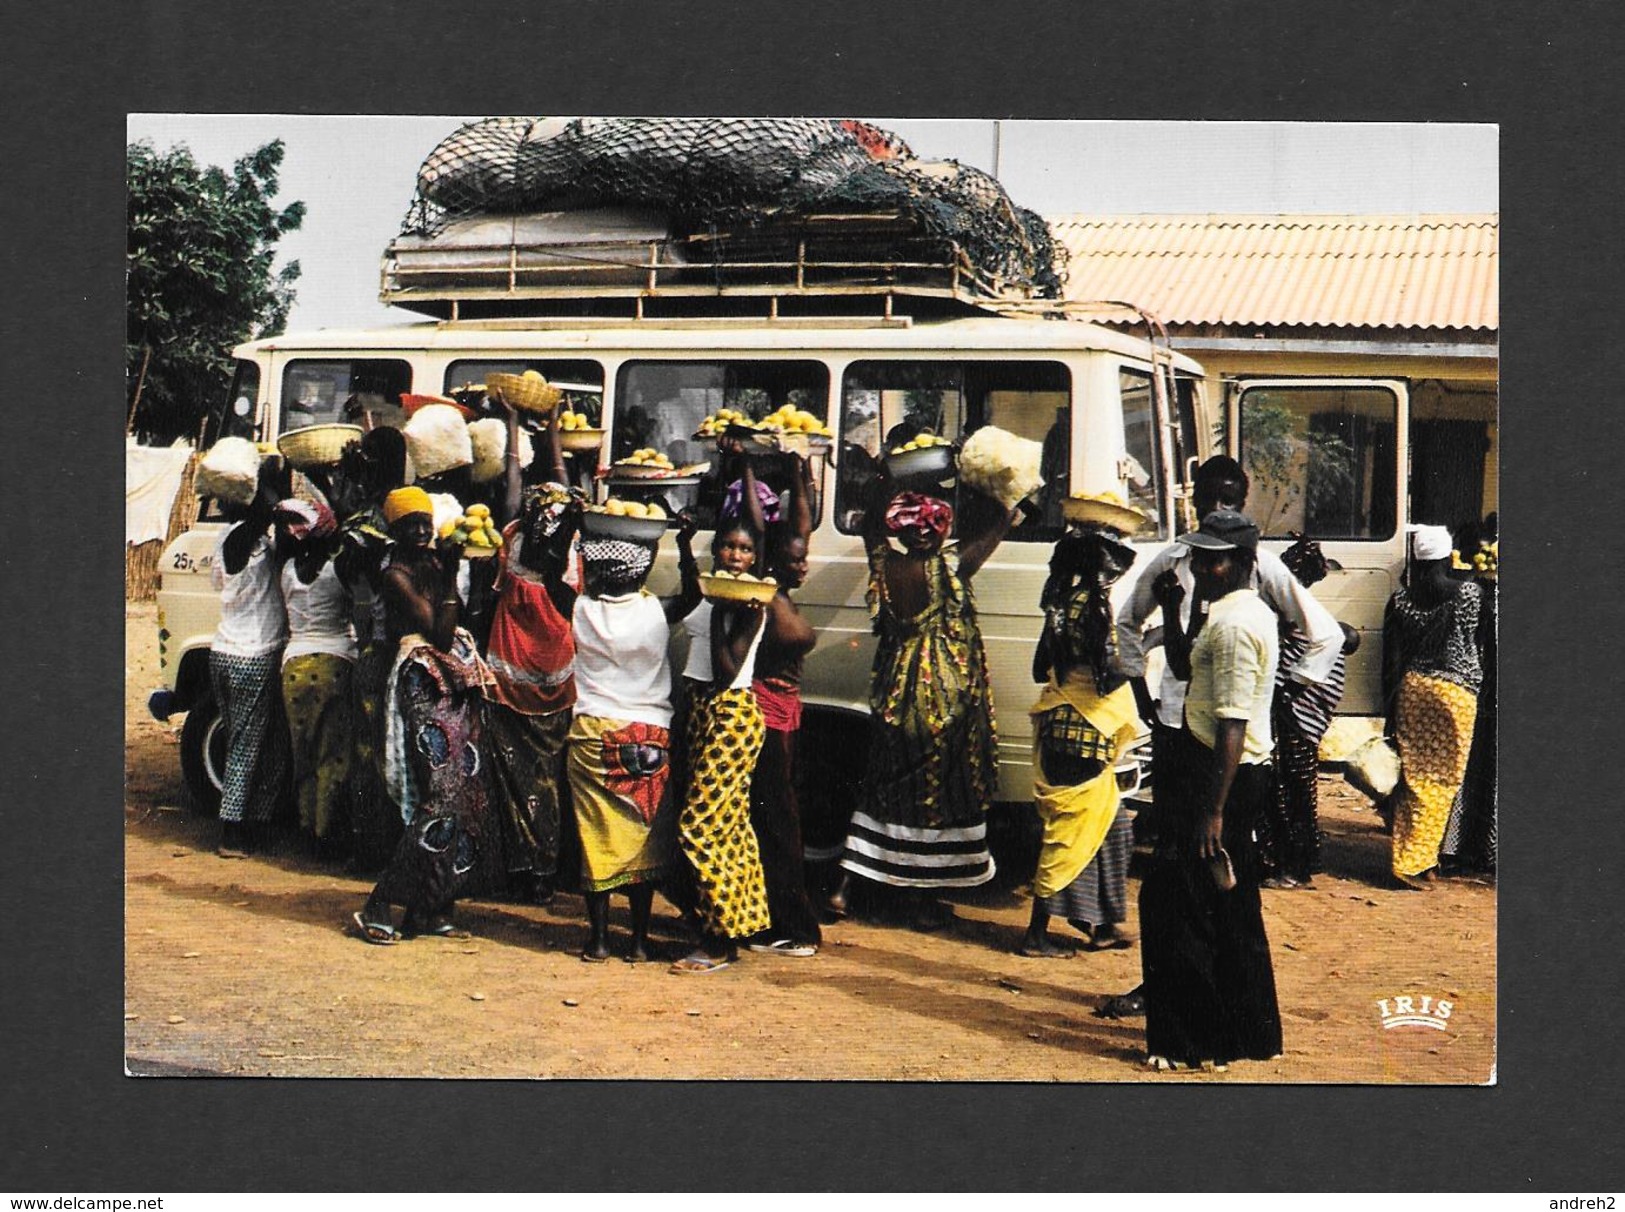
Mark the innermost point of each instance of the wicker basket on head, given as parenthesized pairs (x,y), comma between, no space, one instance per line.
(516,391)
(317,445)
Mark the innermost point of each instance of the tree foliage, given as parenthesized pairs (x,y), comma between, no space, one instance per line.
(199,278)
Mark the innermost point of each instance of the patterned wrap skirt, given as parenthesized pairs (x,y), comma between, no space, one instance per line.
(527,756)
(1434,730)
(246,690)
(619,771)
(714,828)
(316,694)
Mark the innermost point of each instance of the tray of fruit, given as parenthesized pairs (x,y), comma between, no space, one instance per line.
(618,519)
(723,586)
(651,464)
(926,455)
(786,429)
(475,532)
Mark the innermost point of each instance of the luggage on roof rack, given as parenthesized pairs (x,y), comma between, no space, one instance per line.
(524,209)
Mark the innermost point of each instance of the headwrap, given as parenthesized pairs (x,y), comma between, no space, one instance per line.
(619,565)
(1430,542)
(1093,556)
(733,502)
(307,519)
(404,502)
(916,511)
(549,501)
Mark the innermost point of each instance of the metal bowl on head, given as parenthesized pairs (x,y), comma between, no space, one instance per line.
(580,441)
(721,588)
(597,524)
(931,464)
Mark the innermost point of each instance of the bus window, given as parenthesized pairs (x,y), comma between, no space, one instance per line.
(319,391)
(581,380)
(885,403)
(1321,460)
(239,412)
(1140,445)
(661,405)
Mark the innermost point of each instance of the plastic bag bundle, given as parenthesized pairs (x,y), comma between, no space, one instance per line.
(1374,768)
(437,440)
(230,471)
(447,509)
(1000,464)
(489,439)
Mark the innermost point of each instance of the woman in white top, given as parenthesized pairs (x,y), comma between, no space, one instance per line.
(317,666)
(620,738)
(243,661)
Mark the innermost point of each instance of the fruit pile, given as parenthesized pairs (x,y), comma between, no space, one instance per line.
(924,441)
(573,421)
(785,419)
(647,457)
(1485,562)
(618,508)
(750,578)
(474,531)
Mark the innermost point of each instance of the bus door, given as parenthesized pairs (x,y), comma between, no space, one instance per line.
(1328,459)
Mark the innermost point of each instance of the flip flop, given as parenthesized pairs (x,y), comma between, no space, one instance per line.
(587,957)
(694,965)
(374,933)
(1053,951)
(784,946)
(447,930)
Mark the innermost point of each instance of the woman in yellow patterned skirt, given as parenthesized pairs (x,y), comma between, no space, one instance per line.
(1431,678)
(726,731)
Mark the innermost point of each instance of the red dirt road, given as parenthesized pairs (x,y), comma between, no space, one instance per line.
(244,968)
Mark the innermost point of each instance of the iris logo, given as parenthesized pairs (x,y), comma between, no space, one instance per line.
(1417,1011)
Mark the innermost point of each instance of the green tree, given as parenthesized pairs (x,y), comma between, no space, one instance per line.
(199,279)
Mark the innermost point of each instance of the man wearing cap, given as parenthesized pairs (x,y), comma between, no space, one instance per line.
(1209,986)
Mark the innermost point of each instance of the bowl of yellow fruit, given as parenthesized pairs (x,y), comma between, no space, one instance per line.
(635,521)
(724,586)
(475,531)
(576,433)
(924,457)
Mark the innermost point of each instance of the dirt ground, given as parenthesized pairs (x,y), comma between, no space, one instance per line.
(243,968)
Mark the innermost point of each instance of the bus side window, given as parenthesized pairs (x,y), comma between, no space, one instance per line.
(1321,460)
(1140,445)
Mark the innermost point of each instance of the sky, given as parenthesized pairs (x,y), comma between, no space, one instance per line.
(356,175)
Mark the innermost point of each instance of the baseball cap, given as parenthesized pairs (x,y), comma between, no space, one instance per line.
(1223,530)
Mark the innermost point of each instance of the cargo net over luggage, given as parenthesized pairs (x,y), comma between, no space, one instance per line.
(711,175)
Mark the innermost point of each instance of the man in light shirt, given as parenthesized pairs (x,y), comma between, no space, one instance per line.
(1209,986)
(1219,483)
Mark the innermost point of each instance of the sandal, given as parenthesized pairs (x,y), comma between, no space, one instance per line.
(693,965)
(1124,1005)
(784,946)
(377,934)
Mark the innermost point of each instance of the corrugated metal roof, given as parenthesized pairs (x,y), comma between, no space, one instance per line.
(1357,271)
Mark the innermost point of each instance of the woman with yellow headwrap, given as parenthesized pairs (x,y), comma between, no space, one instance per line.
(432,758)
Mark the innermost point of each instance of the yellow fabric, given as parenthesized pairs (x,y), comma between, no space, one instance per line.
(406,501)
(714,828)
(1077,819)
(1434,729)
(617,846)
